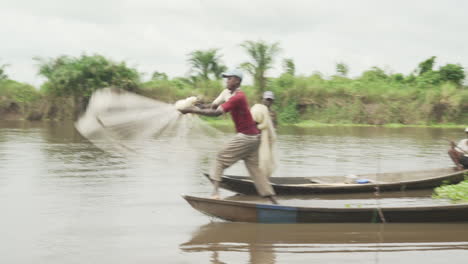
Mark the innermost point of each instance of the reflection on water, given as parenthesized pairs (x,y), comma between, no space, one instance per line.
(65,201)
(264,242)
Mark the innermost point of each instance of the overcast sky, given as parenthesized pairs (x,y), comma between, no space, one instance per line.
(157,35)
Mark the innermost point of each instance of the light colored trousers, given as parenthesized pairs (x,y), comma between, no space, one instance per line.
(243,147)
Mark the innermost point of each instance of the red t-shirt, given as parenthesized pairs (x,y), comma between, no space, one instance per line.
(240,113)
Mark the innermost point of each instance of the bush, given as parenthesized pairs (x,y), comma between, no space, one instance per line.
(289,114)
(18,99)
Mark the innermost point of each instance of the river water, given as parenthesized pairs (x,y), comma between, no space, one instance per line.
(62,200)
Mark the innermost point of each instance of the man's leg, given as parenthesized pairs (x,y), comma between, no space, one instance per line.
(234,150)
(261,181)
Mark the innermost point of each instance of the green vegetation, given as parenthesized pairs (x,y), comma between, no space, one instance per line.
(289,66)
(80,77)
(457,192)
(179,88)
(262,56)
(373,98)
(3,75)
(205,63)
(19,100)
(342,69)
(424,97)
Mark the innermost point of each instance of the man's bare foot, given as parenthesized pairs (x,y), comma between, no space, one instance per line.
(215,194)
(460,167)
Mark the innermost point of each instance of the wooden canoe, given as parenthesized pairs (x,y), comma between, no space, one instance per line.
(268,213)
(393,181)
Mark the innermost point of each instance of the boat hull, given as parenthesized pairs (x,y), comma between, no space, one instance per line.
(267,213)
(386,182)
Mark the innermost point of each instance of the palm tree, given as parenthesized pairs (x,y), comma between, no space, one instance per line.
(206,62)
(289,66)
(262,58)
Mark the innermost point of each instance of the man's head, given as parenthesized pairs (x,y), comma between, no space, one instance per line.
(268,98)
(234,79)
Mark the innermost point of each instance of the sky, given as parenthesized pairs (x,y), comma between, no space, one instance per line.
(157,35)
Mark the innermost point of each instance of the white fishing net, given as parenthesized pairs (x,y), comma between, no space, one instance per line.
(122,122)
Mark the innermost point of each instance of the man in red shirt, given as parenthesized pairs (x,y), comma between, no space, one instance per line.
(244,145)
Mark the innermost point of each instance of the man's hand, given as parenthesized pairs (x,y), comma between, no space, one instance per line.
(452,144)
(188,110)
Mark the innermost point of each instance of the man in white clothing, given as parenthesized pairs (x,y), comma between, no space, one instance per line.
(267,100)
(459,152)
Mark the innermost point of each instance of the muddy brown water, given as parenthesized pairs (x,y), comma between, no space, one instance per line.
(63,200)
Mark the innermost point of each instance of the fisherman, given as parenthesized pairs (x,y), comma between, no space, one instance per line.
(459,152)
(264,117)
(268,100)
(244,145)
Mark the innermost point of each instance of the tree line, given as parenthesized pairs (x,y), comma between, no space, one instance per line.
(438,95)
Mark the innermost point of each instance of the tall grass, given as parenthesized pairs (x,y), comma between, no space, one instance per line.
(18,100)
(363,100)
(374,101)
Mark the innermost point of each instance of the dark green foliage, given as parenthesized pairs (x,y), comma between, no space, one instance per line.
(428,78)
(426,66)
(452,73)
(80,77)
(3,75)
(83,75)
(289,114)
(374,74)
(289,67)
(342,69)
(397,77)
(159,76)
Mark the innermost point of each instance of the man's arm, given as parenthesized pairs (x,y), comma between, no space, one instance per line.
(203,106)
(222,97)
(206,112)
(452,144)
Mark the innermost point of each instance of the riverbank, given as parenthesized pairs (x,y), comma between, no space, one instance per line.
(303,101)
(54,113)
(226,122)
